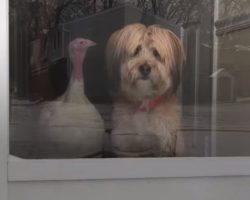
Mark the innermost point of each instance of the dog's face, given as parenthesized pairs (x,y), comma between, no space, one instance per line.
(146,60)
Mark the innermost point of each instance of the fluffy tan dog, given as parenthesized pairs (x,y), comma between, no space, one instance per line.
(144,68)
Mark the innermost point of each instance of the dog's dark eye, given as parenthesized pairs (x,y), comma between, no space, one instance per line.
(156,54)
(137,51)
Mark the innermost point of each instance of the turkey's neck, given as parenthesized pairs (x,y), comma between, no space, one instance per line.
(75,89)
(77,70)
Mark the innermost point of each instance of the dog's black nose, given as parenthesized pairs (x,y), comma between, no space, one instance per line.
(145,69)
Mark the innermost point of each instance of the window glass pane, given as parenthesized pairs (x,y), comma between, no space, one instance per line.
(129,78)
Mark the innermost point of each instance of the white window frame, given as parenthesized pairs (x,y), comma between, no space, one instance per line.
(4,100)
(14,169)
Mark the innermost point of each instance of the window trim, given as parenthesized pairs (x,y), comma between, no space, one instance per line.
(4,100)
(94,169)
(126,168)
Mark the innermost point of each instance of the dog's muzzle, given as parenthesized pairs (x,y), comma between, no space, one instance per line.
(145,70)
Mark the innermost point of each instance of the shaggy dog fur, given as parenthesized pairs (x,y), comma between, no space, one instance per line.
(144,68)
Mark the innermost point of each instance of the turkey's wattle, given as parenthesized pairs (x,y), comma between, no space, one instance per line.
(71,127)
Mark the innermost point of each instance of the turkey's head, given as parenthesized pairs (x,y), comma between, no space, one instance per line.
(79,45)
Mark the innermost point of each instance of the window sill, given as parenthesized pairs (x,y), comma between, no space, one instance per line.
(125,168)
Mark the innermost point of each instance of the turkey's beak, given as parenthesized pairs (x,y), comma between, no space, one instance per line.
(91,43)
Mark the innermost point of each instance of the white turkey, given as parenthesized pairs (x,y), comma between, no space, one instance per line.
(71,127)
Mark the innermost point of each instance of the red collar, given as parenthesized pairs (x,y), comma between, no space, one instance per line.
(151,104)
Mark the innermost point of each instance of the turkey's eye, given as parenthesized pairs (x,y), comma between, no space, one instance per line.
(156,54)
(137,51)
(82,42)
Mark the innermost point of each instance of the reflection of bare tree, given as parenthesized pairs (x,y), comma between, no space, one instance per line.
(177,11)
(43,15)
(38,17)
(233,7)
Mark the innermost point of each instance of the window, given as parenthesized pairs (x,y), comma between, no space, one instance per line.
(46,131)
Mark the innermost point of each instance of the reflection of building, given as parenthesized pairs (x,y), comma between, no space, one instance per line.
(231,92)
(233,53)
(226,81)
(48,65)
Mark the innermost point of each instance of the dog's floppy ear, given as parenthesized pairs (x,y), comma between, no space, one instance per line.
(172,48)
(179,58)
(116,51)
(113,62)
